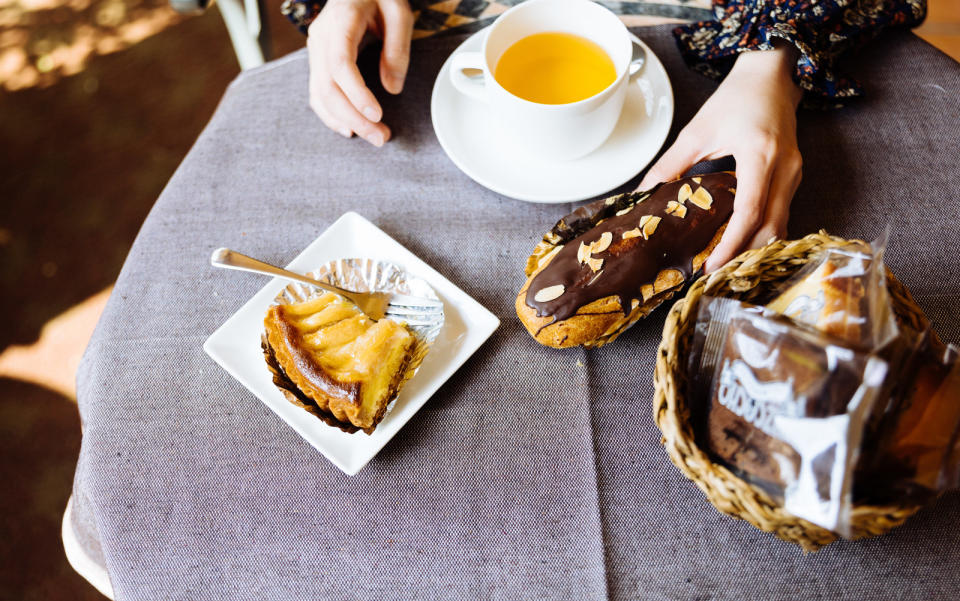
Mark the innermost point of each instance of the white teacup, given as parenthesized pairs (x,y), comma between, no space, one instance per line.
(552,131)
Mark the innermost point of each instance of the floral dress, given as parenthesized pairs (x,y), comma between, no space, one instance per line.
(711,36)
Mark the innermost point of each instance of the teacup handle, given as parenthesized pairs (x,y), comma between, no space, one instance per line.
(639,59)
(471,85)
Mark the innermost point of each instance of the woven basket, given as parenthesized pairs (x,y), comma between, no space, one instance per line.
(749,276)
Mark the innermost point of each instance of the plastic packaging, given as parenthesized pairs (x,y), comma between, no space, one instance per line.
(917,450)
(844,295)
(783,406)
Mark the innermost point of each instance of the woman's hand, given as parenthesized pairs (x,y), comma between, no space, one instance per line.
(751,116)
(338,93)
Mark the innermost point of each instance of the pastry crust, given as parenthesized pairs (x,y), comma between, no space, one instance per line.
(601,321)
(833,297)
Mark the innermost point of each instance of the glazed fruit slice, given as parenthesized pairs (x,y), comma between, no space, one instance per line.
(346,365)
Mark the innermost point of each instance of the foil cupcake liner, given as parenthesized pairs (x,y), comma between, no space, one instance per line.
(360,275)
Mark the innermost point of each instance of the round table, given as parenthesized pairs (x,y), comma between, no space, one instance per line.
(532,473)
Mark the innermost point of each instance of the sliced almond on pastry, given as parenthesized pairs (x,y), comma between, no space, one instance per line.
(603,243)
(702,199)
(675,208)
(648,225)
(583,252)
(549,293)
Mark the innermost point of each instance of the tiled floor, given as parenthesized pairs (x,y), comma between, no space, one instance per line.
(57,258)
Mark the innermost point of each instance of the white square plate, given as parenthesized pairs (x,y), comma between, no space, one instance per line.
(467,324)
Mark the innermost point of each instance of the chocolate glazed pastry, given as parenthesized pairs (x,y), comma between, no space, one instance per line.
(611,262)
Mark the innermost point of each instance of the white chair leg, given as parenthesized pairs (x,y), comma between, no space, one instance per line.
(244,29)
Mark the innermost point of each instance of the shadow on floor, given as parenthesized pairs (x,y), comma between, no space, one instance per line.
(39,442)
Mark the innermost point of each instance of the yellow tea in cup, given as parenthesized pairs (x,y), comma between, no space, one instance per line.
(555,68)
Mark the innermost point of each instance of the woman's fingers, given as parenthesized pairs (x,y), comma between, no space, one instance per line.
(754,173)
(329,120)
(343,112)
(342,66)
(338,113)
(786,180)
(683,154)
(395,58)
(338,93)
(338,32)
(319,79)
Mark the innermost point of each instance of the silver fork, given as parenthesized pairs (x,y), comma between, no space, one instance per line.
(414,310)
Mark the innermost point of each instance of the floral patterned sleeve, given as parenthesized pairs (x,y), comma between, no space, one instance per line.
(301,12)
(821,30)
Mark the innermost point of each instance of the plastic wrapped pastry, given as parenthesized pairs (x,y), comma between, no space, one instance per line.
(783,406)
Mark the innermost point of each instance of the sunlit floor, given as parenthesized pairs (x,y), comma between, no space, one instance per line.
(131,84)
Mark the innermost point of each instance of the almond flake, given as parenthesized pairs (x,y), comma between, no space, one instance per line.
(583,253)
(702,199)
(675,208)
(549,293)
(732,191)
(685,193)
(610,200)
(594,278)
(595,264)
(603,243)
(697,180)
(647,291)
(623,211)
(650,226)
(634,233)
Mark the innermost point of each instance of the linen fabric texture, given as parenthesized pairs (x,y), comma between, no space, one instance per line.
(532,473)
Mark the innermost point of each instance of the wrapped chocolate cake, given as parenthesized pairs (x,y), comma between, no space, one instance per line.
(783,406)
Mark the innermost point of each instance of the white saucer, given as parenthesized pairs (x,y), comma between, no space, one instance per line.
(474,145)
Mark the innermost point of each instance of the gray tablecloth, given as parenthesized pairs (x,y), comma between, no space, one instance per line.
(532,473)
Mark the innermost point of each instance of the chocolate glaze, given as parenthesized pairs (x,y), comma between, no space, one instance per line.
(630,264)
